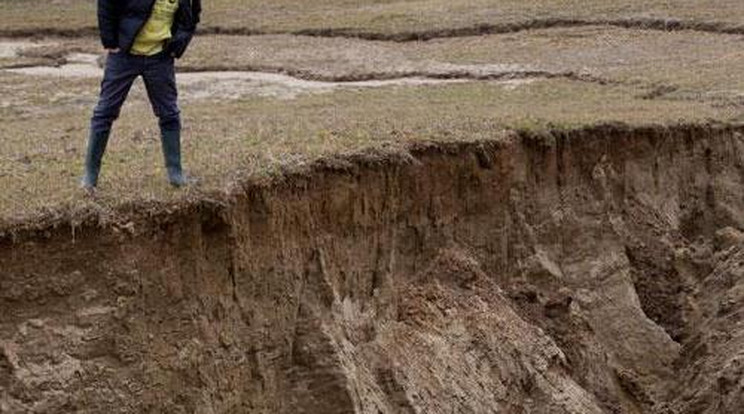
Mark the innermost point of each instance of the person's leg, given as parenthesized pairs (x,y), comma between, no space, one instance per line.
(160,81)
(121,71)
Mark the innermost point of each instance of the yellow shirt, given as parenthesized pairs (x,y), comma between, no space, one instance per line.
(157,29)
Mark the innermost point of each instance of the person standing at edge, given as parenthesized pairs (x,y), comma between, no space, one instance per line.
(141,38)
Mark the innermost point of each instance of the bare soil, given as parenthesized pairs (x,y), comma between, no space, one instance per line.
(426,206)
(591,271)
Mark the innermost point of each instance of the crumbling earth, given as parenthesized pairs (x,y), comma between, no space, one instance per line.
(406,207)
(592,271)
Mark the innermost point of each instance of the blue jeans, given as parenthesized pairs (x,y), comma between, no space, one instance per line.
(122,69)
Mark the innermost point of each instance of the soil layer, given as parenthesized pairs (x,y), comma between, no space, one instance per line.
(585,271)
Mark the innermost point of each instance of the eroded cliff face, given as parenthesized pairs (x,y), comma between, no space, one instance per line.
(592,271)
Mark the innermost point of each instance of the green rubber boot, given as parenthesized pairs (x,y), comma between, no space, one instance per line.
(97,142)
(171,140)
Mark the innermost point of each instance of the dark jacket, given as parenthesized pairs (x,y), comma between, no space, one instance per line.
(119,22)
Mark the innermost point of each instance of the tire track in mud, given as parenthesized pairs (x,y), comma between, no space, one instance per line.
(666,25)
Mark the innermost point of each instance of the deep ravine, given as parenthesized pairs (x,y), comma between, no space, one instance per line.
(598,270)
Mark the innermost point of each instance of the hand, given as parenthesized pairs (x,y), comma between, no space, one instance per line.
(115,50)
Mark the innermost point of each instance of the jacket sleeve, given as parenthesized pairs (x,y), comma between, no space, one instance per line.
(108,23)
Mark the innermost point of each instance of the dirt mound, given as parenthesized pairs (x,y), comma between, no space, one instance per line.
(591,271)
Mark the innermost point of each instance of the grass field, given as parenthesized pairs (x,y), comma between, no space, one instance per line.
(381,16)
(695,64)
(253,128)
(690,60)
(401,206)
(43,146)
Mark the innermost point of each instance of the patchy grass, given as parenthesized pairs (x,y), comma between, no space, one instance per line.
(391,16)
(691,63)
(673,65)
(662,77)
(41,157)
(693,60)
(33,14)
(381,16)
(322,56)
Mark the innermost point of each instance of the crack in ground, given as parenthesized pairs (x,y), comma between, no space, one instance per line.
(503,28)
(82,65)
(467,73)
(234,79)
(265,79)
(667,25)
